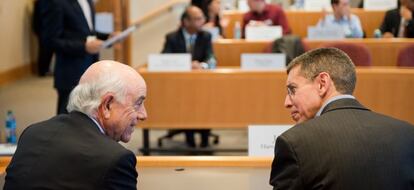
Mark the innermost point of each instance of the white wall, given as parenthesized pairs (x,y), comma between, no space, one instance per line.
(15,33)
(151,36)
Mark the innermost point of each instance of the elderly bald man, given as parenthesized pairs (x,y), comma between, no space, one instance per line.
(80,150)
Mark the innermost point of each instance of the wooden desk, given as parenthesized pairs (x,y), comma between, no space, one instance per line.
(232,172)
(384,52)
(231,98)
(299,20)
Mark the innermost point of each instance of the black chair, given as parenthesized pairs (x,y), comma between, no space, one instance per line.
(171,133)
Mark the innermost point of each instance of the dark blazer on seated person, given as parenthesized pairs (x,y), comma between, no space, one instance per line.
(70,152)
(347,147)
(391,23)
(175,43)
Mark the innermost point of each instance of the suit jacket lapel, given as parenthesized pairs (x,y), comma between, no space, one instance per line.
(181,41)
(79,11)
(346,103)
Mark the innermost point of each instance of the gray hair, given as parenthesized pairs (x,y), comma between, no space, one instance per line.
(86,97)
(331,60)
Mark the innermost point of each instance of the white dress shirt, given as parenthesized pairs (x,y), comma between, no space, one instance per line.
(86,9)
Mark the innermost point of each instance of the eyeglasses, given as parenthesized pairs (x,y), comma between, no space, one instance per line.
(292,89)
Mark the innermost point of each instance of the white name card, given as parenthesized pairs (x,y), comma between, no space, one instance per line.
(263,61)
(326,33)
(380,4)
(263,32)
(169,62)
(262,138)
(317,5)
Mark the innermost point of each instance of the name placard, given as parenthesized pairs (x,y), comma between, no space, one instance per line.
(263,32)
(169,62)
(262,138)
(263,61)
(317,5)
(380,4)
(325,33)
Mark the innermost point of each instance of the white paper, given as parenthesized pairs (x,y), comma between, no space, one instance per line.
(169,62)
(104,22)
(263,61)
(380,4)
(243,6)
(7,149)
(326,33)
(119,37)
(317,5)
(262,138)
(263,32)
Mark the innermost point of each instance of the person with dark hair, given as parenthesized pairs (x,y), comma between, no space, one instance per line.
(399,22)
(190,38)
(342,17)
(211,10)
(262,13)
(337,143)
(198,3)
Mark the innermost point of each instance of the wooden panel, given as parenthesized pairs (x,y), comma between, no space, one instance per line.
(231,98)
(300,20)
(15,74)
(384,51)
(185,161)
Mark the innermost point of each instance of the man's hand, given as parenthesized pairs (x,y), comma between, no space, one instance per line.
(93,46)
(196,65)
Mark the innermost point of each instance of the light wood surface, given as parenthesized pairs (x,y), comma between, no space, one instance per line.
(384,52)
(299,20)
(185,161)
(231,98)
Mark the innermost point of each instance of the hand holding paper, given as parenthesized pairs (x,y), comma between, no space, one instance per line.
(109,42)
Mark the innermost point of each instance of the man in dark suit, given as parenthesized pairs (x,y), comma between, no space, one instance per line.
(398,22)
(68,28)
(80,150)
(338,143)
(190,38)
(44,54)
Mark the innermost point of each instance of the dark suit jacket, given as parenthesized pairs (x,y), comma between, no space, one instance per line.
(391,23)
(348,147)
(175,43)
(69,152)
(65,30)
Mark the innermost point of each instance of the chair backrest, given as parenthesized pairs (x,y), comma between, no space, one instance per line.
(358,53)
(406,57)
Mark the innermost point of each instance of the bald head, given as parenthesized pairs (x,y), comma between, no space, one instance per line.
(112,93)
(192,19)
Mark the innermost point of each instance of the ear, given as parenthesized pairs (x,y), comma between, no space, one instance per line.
(106,105)
(324,83)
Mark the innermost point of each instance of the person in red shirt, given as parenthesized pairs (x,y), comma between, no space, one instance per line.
(262,13)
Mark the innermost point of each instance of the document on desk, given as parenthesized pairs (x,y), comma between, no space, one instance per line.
(380,4)
(263,32)
(109,42)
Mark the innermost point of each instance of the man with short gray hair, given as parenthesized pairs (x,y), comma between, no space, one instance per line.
(80,150)
(337,143)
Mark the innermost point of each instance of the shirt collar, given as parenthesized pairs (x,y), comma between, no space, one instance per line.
(331,100)
(97,124)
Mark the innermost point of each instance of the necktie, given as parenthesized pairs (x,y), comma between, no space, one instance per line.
(401,31)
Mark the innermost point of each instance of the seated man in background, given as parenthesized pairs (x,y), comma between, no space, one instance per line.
(80,150)
(399,22)
(190,38)
(338,143)
(343,17)
(263,14)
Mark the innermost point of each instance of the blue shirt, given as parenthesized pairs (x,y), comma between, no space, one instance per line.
(352,26)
